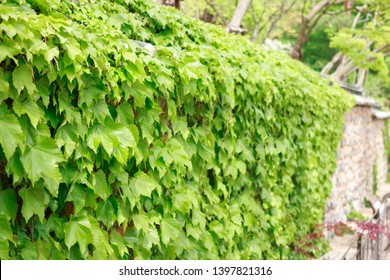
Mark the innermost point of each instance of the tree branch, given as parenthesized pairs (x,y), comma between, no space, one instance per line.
(317,8)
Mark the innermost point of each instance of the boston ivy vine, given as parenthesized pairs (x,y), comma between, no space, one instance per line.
(210,148)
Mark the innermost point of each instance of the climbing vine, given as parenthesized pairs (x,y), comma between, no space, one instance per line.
(207,148)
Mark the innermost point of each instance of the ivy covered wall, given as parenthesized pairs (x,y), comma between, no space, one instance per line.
(210,148)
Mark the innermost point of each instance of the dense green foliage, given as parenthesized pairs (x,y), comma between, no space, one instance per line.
(211,148)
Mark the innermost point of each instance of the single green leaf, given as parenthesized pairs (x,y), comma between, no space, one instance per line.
(30,252)
(142,184)
(103,249)
(78,231)
(153,236)
(67,136)
(117,20)
(198,218)
(125,113)
(31,108)
(22,78)
(5,229)
(100,185)
(33,202)
(141,221)
(117,240)
(41,161)
(51,53)
(4,86)
(106,213)
(43,90)
(8,203)
(98,135)
(4,249)
(100,110)
(73,50)
(180,125)
(178,153)
(11,134)
(123,137)
(139,91)
(77,195)
(183,201)
(165,82)
(9,48)
(193,231)
(217,228)
(170,229)
(46,249)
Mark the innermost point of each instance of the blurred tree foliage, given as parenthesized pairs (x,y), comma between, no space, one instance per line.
(346,39)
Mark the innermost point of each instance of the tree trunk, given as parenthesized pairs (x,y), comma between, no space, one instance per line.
(208,16)
(197,14)
(239,14)
(256,32)
(301,41)
(361,77)
(308,22)
(177,4)
(173,3)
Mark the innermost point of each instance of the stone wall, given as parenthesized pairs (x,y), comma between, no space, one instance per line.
(361,147)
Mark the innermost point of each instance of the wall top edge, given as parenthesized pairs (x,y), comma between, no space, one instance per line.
(366,101)
(378,114)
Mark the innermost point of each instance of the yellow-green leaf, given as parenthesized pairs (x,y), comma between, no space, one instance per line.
(22,78)
(33,202)
(41,161)
(11,134)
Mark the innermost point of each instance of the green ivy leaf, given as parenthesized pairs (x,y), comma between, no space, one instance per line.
(68,136)
(77,195)
(123,136)
(11,134)
(141,221)
(116,138)
(30,252)
(5,229)
(180,125)
(139,91)
(31,108)
(22,78)
(183,201)
(125,114)
(142,184)
(178,153)
(217,228)
(41,161)
(117,240)
(100,185)
(9,48)
(99,136)
(198,218)
(4,86)
(33,202)
(78,231)
(170,229)
(106,213)
(193,231)
(117,20)
(103,248)
(8,203)
(6,235)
